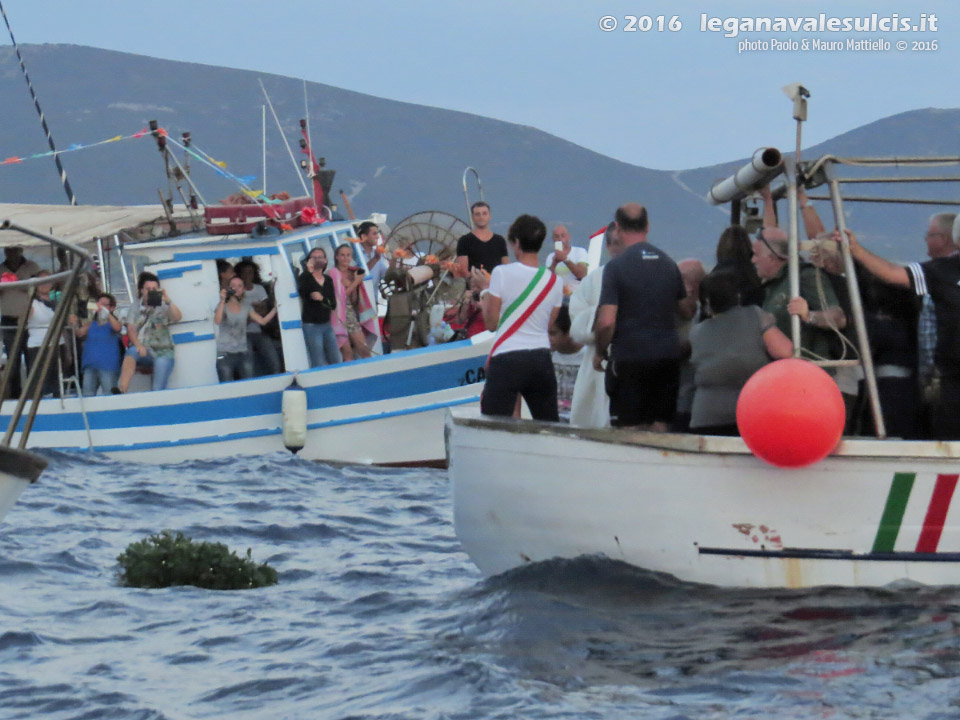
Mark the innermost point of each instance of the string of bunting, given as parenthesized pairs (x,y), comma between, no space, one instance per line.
(16,159)
(218,166)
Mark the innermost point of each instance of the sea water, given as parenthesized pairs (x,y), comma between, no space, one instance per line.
(380,614)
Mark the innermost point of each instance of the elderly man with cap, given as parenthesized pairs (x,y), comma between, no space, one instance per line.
(13,306)
(818,317)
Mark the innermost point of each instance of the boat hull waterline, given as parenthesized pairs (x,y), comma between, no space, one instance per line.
(704,509)
(383,410)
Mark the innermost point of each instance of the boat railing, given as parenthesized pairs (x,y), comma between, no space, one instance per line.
(466,192)
(49,346)
(823,171)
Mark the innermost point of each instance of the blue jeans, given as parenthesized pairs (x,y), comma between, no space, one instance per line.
(266,361)
(234,366)
(321,344)
(94,378)
(162,366)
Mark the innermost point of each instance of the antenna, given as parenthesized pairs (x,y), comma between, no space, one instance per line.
(263,144)
(306,190)
(306,111)
(799,94)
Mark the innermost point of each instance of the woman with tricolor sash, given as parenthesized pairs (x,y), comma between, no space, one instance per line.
(521,303)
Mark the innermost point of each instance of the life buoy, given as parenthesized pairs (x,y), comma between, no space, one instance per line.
(294,411)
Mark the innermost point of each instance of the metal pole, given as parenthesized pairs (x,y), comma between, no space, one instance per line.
(899,201)
(306,190)
(856,306)
(123,268)
(793,253)
(17,350)
(263,144)
(49,347)
(103,266)
(466,195)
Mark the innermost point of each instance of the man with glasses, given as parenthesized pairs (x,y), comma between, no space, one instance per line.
(939,279)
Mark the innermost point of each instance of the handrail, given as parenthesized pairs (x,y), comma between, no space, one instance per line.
(51,341)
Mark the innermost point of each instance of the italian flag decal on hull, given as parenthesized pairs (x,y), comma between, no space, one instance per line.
(915,513)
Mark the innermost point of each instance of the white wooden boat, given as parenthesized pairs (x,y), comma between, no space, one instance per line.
(387,409)
(18,469)
(704,509)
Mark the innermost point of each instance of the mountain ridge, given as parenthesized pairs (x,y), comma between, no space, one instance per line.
(394,156)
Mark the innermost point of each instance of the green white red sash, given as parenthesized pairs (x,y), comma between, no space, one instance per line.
(523,307)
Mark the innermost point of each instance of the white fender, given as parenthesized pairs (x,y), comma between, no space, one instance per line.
(294,410)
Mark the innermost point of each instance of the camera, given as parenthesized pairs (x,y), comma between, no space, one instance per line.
(231,293)
(154,298)
(357,270)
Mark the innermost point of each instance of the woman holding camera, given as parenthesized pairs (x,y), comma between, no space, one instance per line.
(148,332)
(355,320)
(234,361)
(101,350)
(319,300)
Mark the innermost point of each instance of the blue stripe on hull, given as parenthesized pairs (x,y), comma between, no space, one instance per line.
(270,431)
(387,386)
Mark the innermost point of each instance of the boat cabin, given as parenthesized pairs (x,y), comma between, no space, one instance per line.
(187,268)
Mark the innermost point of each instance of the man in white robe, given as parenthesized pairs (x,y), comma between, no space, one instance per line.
(590,406)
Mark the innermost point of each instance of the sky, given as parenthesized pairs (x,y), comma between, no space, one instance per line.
(675,96)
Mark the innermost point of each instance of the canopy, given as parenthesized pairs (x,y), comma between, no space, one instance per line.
(74,223)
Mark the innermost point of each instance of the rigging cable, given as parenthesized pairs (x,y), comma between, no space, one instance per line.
(43,121)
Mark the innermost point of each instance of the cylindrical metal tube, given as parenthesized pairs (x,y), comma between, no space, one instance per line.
(765,165)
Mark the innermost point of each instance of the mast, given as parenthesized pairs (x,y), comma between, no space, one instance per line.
(263,144)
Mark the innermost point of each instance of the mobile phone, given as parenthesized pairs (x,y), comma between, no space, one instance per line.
(558,246)
(154,298)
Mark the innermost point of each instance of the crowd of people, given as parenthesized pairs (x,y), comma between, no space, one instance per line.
(667,346)
(643,341)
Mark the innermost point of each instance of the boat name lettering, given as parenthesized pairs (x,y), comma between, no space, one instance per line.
(473,376)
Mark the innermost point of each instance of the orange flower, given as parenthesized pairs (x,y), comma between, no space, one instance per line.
(430,260)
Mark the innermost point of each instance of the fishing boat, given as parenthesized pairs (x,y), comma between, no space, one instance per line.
(704,509)
(385,409)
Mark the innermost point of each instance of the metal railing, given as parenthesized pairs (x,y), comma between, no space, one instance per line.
(49,346)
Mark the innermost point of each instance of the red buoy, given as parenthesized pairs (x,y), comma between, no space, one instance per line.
(791,413)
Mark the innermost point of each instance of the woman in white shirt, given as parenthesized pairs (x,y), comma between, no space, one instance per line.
(38,324)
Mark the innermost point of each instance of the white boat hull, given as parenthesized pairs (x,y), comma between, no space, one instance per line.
(17,470)
(704,509)
(385,410)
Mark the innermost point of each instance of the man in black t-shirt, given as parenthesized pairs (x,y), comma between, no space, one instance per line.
(482,248)
(637,320)
(939,278)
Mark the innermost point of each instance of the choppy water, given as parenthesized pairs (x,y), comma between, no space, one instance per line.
(379,614)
